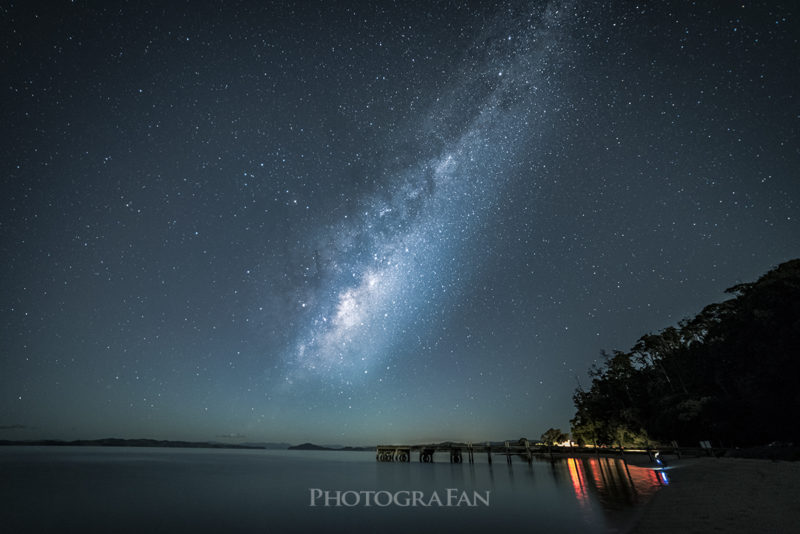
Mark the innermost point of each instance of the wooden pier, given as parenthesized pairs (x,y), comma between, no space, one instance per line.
(459,452)
(456,451)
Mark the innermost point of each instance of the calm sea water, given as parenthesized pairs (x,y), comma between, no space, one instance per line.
(95,489)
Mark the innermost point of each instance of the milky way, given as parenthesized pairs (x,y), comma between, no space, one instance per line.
(396,258)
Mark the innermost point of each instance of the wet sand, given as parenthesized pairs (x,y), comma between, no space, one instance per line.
(725,495)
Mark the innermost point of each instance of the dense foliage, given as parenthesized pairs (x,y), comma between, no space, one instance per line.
(553,436)
(729,375)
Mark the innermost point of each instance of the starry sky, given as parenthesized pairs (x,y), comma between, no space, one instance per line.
(363,222)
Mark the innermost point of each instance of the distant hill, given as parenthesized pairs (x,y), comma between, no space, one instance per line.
(313,447)
(118,442)
(309,447)
(267,445)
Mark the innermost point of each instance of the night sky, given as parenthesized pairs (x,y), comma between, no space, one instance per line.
(353,222)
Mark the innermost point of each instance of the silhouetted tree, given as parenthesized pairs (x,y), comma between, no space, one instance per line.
(728,374)
(554,436)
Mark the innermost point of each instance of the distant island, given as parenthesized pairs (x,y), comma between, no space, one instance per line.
(313,447)
(118,442)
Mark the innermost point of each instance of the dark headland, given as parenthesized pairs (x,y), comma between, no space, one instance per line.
(313,447)
(119,442)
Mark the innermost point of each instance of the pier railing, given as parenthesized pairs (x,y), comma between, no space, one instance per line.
(456,451)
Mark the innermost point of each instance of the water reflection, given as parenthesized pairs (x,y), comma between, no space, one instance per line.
(268,491)
(593,487)
(611,481)
(579,484)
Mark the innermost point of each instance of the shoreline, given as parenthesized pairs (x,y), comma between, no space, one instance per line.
(724,495)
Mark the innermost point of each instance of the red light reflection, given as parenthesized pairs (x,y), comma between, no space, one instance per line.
(612,480)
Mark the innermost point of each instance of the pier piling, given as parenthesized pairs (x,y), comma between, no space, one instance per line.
(457,451)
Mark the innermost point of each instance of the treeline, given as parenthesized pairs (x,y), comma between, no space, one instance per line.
(730,375)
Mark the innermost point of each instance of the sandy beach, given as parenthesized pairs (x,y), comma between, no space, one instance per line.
(725,495)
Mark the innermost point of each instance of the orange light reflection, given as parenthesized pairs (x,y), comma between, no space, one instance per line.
(578,479)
